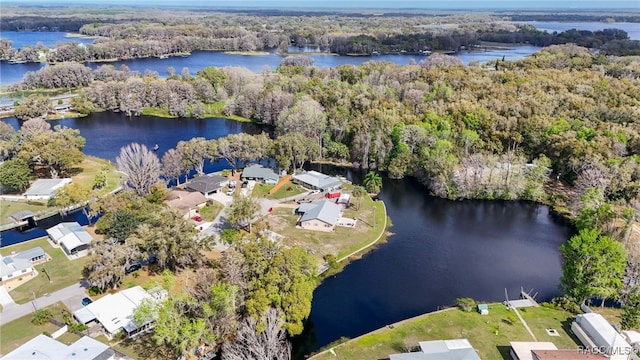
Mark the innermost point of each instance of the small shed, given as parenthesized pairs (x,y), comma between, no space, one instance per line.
(483,309)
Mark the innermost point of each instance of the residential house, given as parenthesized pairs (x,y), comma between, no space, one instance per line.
(43,347)
(523,350)
(71,237)
(319,215)
(187,202)
(207,184)
(114,312)
(44,189)
(566,354)
(595,332)
(259,173)
(317,181)
(16,267)
(458,349)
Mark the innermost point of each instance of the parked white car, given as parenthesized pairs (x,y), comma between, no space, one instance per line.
(231,191)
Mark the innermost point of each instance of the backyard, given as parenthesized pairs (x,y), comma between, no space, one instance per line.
(287,190)
(342,241)
(21,330)
(62,271)
(489,334)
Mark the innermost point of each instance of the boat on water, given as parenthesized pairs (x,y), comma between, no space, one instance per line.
(156,147)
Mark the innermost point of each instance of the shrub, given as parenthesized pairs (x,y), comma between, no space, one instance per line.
(225,172)
(466,304)
(41,317)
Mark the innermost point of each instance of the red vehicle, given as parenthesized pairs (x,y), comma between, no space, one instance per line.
(197,218)
(333,195)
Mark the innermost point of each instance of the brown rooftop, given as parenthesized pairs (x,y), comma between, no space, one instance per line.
(185,200)
(566,355)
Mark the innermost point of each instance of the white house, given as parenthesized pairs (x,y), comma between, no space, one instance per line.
(18,266)
(458,349)
(317,181)
(319,215)
(595,332)
(70,236)
(43,347)
(44,189)
(114,312)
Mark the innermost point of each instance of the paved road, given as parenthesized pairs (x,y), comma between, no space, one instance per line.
(15,311)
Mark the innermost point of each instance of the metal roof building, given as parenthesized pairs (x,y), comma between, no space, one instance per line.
(71,236)
(457,349)
(43,347)
(45,188)
(317,181)
(594,331)
(261,173)
(319,215)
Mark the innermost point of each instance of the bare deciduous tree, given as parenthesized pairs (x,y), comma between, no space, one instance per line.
(141,166)
(173,165)
(252,344)
(33,125)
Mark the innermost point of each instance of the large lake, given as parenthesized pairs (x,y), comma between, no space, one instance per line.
(439,250)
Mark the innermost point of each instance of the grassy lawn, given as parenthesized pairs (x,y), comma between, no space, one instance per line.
(63,272)
(217,110)
(489,334)
(84,174)
(262,191)
(209,212)
(342,241)
(21,330)
(69,338)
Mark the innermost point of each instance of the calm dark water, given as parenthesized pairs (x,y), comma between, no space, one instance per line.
(20,39)
(440,250)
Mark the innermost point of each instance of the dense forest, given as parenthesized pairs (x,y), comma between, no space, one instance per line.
(164,33)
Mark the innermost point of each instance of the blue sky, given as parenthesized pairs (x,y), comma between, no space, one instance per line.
(379,4)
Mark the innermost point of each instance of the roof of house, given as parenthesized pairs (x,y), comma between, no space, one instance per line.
(569,354)
(323,210)
(70,234)
(522,349)
(43,347)
(22,215)
(600,331)
(115,311)
(185,200)
(46,187)
(9,265)
(206,184)
(257,171)
(457,349)
(317,179)
(29,254)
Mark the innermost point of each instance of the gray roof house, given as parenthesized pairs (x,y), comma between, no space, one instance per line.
(207,184)
(457,349)
(70,236)
(319,215)
(11,268)
(317,181)
(45,188)
(44,347)
(260,173)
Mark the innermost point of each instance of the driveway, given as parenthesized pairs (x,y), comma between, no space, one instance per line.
(65,295)
(5,299)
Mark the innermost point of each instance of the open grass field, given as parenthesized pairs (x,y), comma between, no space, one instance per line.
(342,241)
(63,272)
(21,330)
(489,334)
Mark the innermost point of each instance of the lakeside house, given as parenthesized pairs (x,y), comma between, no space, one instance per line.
(523,350)
(44,189)
(45,347)
(317,181)
(71,237)
(15,267)
(322,215)
(207,184)
(186,202)
(114,312)
(458,349)
(595,332)
(260,173)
